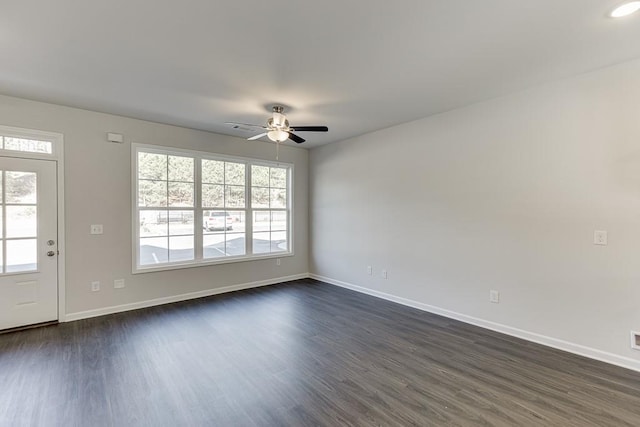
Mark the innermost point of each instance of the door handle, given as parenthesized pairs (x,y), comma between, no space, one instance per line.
(51,253)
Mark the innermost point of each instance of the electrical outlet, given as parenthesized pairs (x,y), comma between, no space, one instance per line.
(118,283)
(384,274)
(95,286)
(635,340)
(96,229)
(278,261)
(600,237)
(369,270)
(494,296)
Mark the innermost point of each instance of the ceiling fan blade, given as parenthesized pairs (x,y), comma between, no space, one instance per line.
(253,138)
(295,138)
(236,125)
(310,128)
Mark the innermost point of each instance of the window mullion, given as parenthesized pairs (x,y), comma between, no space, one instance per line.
(248,222)
(197,210)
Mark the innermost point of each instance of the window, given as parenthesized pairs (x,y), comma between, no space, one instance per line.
(194,208)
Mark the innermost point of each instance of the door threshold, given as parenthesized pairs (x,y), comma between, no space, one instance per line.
(24,328)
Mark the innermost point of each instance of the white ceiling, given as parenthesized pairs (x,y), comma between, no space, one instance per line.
(355,66)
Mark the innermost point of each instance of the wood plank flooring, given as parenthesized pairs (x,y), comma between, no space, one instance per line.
(297,354)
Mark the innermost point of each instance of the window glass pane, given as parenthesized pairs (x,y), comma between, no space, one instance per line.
(261,243)
(153,223)
(22,255)
(152,166)
(167,197)
(180,223)
(1,186)
(22,221)
(235,196)
(278,221)
(217,221)
(1,228)
(1,258)
(238,220)
(259,197)
(21,187)
(235,244)
(260,176)
(278,178)
(180,248)
(180,194)
(213,245)
(180,168)
(29,145)
(212,172)
(278,198)
(212,195)
(278,241)
(154,250)
(234,173)
(152,193)
(261,221)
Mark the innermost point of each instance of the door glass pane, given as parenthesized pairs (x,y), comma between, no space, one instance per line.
(20,187)
(22,221)
(29,145)
(154,250)
(22,255)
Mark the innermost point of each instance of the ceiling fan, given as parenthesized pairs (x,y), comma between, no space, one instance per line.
(278,129)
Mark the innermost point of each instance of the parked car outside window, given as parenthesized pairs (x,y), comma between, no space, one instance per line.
(217,220)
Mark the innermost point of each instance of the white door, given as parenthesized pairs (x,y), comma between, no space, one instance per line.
(28,242)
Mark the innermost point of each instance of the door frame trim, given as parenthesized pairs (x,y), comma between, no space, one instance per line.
(57,156)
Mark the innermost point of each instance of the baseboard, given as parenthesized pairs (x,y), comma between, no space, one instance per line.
(70,317)
(570,347)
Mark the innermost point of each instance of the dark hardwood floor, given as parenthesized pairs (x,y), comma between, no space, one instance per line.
(296,354)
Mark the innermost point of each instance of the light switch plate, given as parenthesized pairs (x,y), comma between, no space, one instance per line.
(600,237)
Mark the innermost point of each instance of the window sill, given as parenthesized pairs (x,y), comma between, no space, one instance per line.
(208,263)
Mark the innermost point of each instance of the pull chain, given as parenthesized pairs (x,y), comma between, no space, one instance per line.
(277,150)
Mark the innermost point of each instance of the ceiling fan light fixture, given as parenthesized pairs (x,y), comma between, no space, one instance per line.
(625,9)
(277,135)
(279,120)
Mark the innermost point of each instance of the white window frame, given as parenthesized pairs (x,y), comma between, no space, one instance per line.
(199,260)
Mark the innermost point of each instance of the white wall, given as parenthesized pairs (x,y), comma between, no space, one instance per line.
(501,195)
(98,191)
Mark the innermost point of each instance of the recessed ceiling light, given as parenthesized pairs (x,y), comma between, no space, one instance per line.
(625,9)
